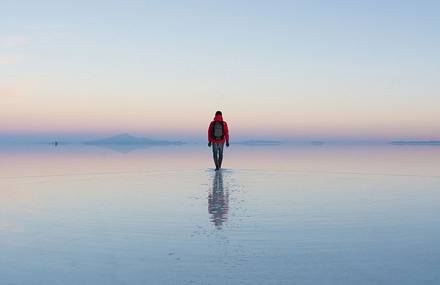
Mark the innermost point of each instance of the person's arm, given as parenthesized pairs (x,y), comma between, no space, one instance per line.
(226,133)
(209,133)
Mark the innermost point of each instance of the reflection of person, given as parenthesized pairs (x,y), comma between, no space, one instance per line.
(218,134)
(218,201)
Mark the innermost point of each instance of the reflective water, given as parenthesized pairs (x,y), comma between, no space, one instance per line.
(275,215)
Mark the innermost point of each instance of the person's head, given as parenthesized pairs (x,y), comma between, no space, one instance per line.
(218,113)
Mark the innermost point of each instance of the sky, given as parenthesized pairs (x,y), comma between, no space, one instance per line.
(295,70)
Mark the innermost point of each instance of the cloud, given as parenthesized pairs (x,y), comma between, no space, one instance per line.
(44,28)
(13,41)
(10,59)
(10,228)
(8,91)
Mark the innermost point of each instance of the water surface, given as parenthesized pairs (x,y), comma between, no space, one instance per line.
(275,215)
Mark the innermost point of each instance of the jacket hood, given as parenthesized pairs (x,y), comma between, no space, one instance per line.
(218,118)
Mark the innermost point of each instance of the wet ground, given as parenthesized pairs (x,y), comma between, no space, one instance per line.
(299,214)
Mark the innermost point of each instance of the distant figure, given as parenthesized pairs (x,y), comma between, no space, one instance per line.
(218,133)
(218,201)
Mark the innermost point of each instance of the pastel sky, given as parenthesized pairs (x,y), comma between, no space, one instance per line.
(362,70)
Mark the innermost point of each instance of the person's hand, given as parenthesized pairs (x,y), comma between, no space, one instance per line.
(209,144)
(227,144)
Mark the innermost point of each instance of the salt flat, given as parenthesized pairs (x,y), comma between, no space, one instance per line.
(296,214)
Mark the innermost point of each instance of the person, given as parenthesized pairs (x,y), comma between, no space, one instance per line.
(218,134)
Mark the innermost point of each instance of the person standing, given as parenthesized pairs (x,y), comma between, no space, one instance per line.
(218,134)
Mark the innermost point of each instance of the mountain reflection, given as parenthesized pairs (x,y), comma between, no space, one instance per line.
(218,201)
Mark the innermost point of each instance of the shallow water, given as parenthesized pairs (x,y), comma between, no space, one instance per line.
(297,214)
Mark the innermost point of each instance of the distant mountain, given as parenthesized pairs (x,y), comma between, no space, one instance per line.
(416,143)
(127,139)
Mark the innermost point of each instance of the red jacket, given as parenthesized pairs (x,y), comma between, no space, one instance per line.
(211,138)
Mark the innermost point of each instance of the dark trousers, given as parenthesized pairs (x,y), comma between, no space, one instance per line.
(217,152)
